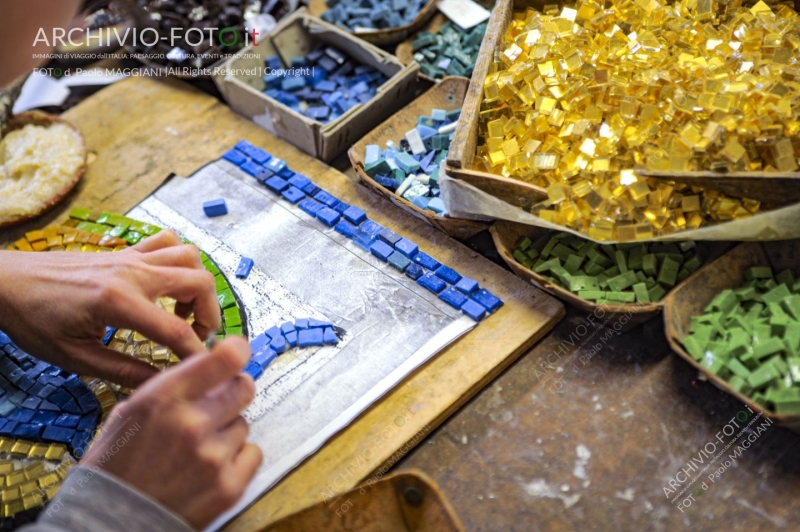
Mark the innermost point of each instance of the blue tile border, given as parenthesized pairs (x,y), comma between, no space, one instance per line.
(277,340)
(459,292)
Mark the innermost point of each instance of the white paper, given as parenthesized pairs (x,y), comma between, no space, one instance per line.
(41,90)
(465,13)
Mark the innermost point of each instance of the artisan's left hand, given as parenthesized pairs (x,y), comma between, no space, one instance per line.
(56,305)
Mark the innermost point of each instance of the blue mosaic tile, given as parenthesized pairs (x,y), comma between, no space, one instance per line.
(28,431)
(276,165)
(328,216)
(488,300)
(406,247)
(327,199)
(399,261)
(259,155)
(244,147)
(426,261)
(278,344)
(287,327)
(453,297)
(58,434)
(291,338)
(286,173)
(276,184)
(389,236)
(414,271)
(329,337)
(310,337)
(310,206)
(259,342)
(432,283)
(263,175)
(299,181)
(346,228)
(254,370)
(293,194)
(243,270)
(273,332)
(301,323)
(314,323)
(251,168)
(216,207)
(311,189)
(466,285)
(382,250)
(264,357)
(354,215)
(448,274)
(235,157)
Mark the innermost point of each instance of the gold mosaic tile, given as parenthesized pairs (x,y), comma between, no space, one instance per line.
(577,98)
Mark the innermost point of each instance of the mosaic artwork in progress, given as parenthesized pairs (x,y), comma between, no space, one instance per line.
(577,99)
(292,351)
(47,415)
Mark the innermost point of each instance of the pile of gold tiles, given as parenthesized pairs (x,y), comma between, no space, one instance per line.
(30,473)
(579,97)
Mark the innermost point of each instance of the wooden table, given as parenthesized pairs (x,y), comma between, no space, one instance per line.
(510,459)
(140,130)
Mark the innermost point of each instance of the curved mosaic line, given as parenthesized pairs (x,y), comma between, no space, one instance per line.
(47,415)
(277,340)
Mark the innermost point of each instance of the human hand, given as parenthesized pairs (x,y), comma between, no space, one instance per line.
(56,305)
(180,438)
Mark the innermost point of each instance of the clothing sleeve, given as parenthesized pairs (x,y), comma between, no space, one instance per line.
(91,500)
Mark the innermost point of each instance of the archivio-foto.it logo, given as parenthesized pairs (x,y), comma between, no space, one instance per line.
(146,36)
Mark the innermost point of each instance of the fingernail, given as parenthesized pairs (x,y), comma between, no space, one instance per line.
(211,340)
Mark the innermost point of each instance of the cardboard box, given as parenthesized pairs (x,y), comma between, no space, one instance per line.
(240,80)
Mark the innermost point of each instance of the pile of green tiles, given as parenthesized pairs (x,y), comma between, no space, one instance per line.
(116,225)
(750,336)
(449,52)
(610,273)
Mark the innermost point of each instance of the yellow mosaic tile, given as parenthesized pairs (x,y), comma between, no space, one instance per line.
(578,97)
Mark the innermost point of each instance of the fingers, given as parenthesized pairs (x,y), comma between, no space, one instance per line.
(158,325)
(245,465)
(200,374)
(162,239)
(233,436)
(190,286)
(91,358)
(224,404)
(184,255)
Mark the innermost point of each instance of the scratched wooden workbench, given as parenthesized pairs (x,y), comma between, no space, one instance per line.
(140,130)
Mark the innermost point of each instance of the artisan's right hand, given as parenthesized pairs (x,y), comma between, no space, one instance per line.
(187,449)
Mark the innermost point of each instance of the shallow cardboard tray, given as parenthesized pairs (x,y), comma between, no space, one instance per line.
(465,142)
(402,501)
(695,293)
(507,234)
(295,35)
(780,189)
(388,36)
(446,95)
